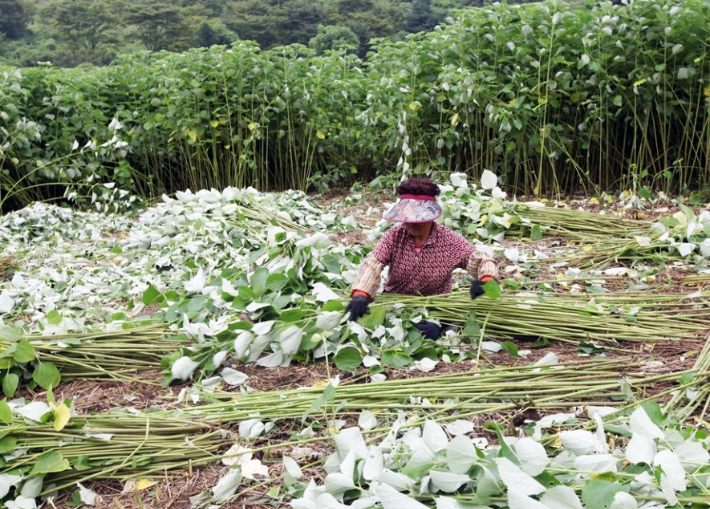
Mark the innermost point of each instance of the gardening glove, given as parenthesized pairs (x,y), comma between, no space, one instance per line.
(358,307)
(477,286)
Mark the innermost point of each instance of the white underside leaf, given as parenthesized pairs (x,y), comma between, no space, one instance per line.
(641,424)
(623,500)
(517,500)
(447,482)
(393,499)
(517,480)
(461,454)
(532,456)
(227,486)
(561,497)
(640,449)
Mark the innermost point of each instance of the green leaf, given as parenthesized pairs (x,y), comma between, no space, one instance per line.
(48,462)
(547,480)
(492,289)
(292,315)
(348,358)
(511,284)
(536,232)
(82,463)
(645,193)
(76,499)
(505,451)
(397,359)
(54,318)
(7,444)
(333,305)
(471,329)
(617,430)
(327,396)
(46,375)
(10,334)
(374,319)
(276,282)
(669,222)
(281,302)
(329,393)
(510,347)
(258,281)
(5,412)
(654,411)
(598,494)
(686,378)
(152,296)
(197,304)
(7,362)
(24,352)
(9,384)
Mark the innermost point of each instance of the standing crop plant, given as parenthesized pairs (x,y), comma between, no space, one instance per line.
(553,97)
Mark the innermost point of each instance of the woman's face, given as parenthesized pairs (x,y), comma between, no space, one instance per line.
(418,229)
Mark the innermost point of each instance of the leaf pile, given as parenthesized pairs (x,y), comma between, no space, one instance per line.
(423,467)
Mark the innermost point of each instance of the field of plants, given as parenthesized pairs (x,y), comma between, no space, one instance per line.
(196,355)
(554,97)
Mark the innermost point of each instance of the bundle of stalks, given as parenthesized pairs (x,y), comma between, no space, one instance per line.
(498,392)
(577,224)
(255,217)
(613,251)
(696,280)
(116,354)
(117,445)
(569,318)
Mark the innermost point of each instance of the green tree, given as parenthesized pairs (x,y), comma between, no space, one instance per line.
(421,18)
(83,23)
(368,19)
(161,25)
(252,20)
(215,7)
(13,19)
(210,33)
(298,20)
(334,37)
(274,22)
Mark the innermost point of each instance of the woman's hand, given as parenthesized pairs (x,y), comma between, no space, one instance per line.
(477,286)
(358,307)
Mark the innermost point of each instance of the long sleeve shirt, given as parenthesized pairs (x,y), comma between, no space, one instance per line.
(425,270)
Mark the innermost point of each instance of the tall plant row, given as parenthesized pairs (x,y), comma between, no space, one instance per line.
(550,96)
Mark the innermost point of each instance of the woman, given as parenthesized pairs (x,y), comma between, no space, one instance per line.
(420,253)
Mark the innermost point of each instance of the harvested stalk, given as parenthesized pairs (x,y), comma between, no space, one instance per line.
(576,224)
(569,318)
(103,354)
(115,445)
(116,355)
(500,389)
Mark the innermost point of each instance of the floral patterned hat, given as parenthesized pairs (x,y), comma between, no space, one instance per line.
(414,208)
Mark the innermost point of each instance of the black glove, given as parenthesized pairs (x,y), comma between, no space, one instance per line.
(477,288)
(358,307)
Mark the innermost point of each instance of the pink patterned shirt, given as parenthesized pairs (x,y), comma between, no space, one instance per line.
(426,271)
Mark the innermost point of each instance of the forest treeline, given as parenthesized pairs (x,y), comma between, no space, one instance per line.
(69,33)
